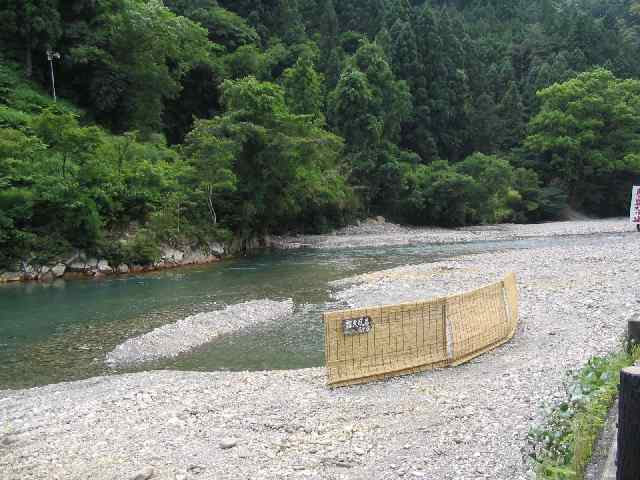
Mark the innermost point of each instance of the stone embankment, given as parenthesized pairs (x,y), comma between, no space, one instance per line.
(81,265)
(175,338)
(465,423)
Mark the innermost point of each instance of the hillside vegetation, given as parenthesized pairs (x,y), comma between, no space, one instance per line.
(198,120)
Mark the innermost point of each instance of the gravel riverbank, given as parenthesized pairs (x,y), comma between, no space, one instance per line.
(175,338)
(466,423)
(373,234)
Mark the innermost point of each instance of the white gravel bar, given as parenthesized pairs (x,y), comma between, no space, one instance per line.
(173,339)
(464,423)
(389,234)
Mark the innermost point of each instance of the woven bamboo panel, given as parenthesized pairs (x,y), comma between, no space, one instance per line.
(413,337)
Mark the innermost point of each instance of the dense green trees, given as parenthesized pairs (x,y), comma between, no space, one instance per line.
(138,62)
(66,186)
(587,136)
(265,168)
(214,118)
(31,26)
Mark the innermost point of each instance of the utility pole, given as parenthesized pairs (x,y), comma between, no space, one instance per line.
(51,56)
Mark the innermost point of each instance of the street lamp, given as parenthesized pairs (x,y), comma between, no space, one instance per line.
(51,56)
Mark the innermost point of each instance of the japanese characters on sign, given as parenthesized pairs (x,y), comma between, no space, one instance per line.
(357,326)
(634,214)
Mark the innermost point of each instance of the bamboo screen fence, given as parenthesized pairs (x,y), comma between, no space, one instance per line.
(369,344)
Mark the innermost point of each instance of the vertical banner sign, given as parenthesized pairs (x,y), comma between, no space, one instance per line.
(634,214)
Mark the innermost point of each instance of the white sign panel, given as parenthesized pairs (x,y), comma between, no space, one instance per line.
(357,326)
(634,214)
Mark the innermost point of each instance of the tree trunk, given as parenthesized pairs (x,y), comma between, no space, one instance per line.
(629,425)
(212,211)
(28,61)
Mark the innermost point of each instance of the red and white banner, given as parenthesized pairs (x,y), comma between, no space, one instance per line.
(634,214)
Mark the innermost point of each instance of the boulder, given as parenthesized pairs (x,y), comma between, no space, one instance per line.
(172,255)
(227,443)
(123,268)
(145,474)
(11,276)
(103,267)
(29,272)
(194,257)
(92,262)
(78,266)
(216,248)
(59,269)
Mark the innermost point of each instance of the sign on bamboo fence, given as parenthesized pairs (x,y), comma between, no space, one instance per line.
(368,344)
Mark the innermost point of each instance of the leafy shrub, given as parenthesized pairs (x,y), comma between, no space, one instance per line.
(562,447)
(553,200)
(480,189)
(143,249)
(11,118)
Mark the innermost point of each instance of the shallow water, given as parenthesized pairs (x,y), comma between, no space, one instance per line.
(62,330)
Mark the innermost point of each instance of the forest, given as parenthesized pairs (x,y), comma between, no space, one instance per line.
(191,120)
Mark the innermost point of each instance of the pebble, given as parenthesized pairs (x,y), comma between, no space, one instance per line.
(195,469)
(227,443)
(243,452)
(145,474)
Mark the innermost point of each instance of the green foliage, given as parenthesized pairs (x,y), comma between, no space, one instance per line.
(586,132)
(30,25)
(65,185)
(426,107)
(266,168)
(494,178)
(224,27)
(480,189)
(142,249)
(303,87)
(367,108)
(138,59)
(562,447)
(439,195)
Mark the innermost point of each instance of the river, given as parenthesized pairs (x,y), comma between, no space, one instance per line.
(60,331)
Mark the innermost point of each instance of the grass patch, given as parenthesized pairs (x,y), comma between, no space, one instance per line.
(562,447)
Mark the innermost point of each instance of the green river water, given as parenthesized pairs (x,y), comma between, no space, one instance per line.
(62,330)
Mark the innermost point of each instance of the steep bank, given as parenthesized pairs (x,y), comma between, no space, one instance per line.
(465,423)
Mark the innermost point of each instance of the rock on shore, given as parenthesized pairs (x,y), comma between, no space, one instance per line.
(175,338)
(79,264)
